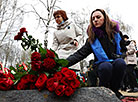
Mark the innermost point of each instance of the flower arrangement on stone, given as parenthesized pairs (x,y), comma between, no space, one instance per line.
(45,70)
(6,78)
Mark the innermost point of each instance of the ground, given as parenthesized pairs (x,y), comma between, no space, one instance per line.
(129,97)
(135,94)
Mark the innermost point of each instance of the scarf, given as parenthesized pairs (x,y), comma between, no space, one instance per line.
(63,25)
(99,32)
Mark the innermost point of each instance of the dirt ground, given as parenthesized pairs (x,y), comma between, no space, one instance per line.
(135,94)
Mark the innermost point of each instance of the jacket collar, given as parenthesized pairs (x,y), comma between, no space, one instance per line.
(63,25)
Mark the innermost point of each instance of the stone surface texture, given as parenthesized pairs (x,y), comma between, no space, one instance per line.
(84,94)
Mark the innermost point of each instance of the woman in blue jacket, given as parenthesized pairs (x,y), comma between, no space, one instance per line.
(104,42)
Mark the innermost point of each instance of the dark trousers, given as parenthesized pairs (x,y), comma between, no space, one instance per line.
(111,74)
(136,71)
(130,76)
(92,78)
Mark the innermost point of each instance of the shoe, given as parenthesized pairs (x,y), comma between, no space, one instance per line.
(136,89)
(119,95)
(130,90)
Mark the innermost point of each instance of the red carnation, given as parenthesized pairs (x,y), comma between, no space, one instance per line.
(75,83)
(22,30)
(7,74)
(32,86)
(32,78)
(25,79)
(28,78)
(60,90)
(6,79)
(21,86)
(58,75)
(50,54)
(49,63)
(18,36)
(65,81)
(41,81)
(70,74)
(36,65)
(69,91)
(64,69)
(5,83)
(35,56)
(52,84)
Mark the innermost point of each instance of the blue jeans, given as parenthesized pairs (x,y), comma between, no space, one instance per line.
(111,74)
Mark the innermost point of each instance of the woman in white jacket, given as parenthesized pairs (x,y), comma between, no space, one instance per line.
(131,62)
(66,38)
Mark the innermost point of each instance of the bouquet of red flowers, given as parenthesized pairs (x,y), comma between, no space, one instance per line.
(6,78)
(45,71)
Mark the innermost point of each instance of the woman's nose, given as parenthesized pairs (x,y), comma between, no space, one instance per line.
(95,20)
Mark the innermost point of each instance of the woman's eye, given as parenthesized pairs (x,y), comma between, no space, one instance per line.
(98,17)
(93,18)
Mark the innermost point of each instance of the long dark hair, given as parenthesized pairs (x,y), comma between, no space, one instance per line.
(109,26)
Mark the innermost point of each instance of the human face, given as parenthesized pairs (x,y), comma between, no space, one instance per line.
(125,39)
(97,19)
(58,19)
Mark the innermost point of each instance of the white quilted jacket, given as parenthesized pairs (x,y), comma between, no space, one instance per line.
(63,37)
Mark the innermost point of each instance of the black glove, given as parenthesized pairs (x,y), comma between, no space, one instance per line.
(123,55)
(114,56)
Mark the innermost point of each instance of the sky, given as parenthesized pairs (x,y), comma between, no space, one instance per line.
(126,9)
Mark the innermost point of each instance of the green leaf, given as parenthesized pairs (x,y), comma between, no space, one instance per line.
(43,52)
(18,75)
(59,69)
(62,62)
(23,39)
(23,46)
(30,36)
(33,72)
(47,74)
(15,81)
(33,40)
(56,55)
(12,68)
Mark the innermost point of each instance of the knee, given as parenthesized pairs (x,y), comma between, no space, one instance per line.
(105,68)
(119,65)
(120,61)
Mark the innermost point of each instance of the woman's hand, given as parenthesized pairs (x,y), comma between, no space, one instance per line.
(76,43)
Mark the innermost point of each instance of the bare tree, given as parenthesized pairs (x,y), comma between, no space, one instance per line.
(11,18)
(0,3)
(12,54)
(125,28)
(81,19)
(50,6)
